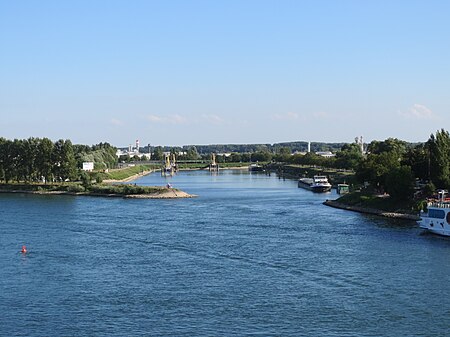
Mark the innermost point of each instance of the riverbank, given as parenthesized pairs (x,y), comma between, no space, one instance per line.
(97,190)
(372,211)
(164,194)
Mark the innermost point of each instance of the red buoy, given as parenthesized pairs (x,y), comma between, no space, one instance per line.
(24,249)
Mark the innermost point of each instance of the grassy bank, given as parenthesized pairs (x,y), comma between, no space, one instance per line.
(77,188)
(125,173)
(383,203)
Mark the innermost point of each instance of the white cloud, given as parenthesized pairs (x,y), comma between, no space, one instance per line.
(170,119)
(289,116)
(177,119)
(293,116)
(155,119)
(213,119)
(320,115)
(116,122)
(418,111)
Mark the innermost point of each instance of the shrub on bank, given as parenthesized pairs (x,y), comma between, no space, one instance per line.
(124,189)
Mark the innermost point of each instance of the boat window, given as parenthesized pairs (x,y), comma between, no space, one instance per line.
(448,217)
(436,213)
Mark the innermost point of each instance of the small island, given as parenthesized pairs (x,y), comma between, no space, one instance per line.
(97,190)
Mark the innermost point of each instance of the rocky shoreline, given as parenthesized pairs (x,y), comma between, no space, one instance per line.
(366,210)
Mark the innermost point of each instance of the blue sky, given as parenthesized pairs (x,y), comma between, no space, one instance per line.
(208,72)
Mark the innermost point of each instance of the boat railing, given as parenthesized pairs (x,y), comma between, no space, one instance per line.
(438,204)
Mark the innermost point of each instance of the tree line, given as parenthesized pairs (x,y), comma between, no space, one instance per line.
(391,165)
(40,159)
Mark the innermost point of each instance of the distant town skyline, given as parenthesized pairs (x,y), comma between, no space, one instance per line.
(224,72)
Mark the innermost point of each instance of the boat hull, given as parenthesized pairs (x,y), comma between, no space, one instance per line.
(437,219)
(321,189)
(316,187)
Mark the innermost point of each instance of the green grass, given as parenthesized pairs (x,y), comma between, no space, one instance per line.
(123,189)
(120,174)
(370,200)
(32,187)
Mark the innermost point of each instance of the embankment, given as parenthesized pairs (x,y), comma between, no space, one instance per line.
(366,210)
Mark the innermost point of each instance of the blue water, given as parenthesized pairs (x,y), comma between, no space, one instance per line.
(252,255)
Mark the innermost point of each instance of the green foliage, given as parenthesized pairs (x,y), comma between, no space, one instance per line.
(64,167)
(400,183)
(312,159)
(125,189)
(36,159)
(383,158)
(192,153)
(368,199)
(349,157)
(301,146)
(439,152)
(429,189)
(75,188)
(85,179)
(261,156)
(157,153)
(98,178)
(388,145)
(121,174)
(376,168)
(417,158)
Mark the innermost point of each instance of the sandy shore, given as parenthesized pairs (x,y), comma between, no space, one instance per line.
(365,210)
(170,193)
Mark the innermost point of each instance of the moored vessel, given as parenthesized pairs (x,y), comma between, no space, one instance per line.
(436,219)
(255,168)
(318,184)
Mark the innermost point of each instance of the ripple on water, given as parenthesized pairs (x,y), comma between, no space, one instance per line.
(252,255)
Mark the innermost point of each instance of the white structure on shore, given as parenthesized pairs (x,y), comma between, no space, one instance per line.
(133,151)
(360,142)
(88,166)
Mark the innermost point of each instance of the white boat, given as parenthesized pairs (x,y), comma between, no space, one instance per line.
(436,219)
(255,168)
(317,184)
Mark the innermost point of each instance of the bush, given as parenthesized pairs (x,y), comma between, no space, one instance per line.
(98,179)
(75,188)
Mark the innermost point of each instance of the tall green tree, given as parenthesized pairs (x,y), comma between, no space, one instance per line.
(387,145)
(439,151)
(44,159)
(7,159)
(157,153)
(418,158)
(377,165)
(192,153)
(64,161)
(349,157)
(400,183)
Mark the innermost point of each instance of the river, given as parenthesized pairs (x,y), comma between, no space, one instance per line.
(251,255)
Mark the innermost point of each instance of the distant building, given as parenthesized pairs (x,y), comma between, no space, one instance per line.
(326,154)
(133,151)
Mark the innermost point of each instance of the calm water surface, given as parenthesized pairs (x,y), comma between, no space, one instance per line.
(252,255)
